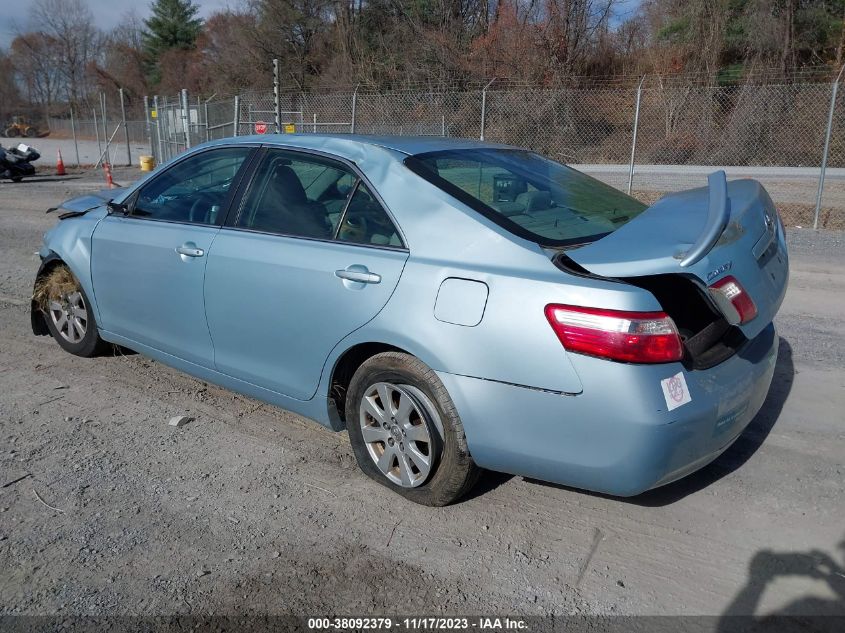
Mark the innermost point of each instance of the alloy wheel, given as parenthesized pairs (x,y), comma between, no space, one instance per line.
(399,427)
(70,317)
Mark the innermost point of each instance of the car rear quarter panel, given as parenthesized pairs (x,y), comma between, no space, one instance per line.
(513,342)
(618,436)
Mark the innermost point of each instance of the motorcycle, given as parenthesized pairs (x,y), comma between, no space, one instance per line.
(15,162)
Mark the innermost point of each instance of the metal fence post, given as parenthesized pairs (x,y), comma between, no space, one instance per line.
(160,157)
(236,121)
(205,115)
(165,132)
(634,139)
(147,126)
(833,93)
(73,131)
(186,118)
(97,133)
(177,133)
(354,107)
(105,126)
(484,107)
(277,103)
(125,129)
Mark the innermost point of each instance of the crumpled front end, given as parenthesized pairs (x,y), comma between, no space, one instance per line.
(69,242)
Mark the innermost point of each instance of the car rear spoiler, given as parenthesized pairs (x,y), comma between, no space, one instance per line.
(718,214)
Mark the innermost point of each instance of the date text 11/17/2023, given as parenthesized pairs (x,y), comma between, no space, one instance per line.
(418,623)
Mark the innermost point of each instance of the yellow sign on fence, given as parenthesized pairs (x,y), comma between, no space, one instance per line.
(153,114)
(290,128)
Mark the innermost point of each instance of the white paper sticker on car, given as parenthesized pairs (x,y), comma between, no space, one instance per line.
(675,391)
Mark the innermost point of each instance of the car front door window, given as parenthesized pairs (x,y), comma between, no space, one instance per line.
(195,190)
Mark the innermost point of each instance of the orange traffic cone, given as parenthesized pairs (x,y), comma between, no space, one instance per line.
(107,172)
(60,164)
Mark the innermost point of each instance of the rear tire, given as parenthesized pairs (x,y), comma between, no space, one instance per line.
(70,320)
(433,466)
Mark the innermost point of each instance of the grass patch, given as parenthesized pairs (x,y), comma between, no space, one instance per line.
(54,286)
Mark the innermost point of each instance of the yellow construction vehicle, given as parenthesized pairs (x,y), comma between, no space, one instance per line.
(19,126)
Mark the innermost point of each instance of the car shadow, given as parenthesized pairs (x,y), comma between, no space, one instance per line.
(47,178)
(31,179)
(733,458)
(118,350)
(488,481)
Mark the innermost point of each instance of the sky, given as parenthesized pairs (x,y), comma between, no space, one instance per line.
(109,13)
(14,16)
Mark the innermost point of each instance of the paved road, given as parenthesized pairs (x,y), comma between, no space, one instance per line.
(89,151)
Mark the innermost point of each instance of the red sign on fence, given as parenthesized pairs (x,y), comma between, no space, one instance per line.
(260,127)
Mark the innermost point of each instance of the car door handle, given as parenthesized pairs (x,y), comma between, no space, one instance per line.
(360,276)
(190,251)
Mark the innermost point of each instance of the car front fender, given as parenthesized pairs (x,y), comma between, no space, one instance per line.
(70,243)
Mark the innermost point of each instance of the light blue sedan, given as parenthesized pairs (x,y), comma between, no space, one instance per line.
(452,304)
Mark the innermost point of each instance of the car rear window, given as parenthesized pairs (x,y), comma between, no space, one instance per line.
(531,196)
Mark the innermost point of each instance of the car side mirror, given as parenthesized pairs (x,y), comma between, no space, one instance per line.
(118,207)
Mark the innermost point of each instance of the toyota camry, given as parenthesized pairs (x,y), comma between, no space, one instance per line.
(453,305)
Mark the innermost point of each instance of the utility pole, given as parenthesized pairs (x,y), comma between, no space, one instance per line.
(277,103)
(125,130)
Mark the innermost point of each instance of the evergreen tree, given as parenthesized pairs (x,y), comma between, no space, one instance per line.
(173,25)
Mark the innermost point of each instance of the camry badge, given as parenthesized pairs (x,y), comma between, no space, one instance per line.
(721,269)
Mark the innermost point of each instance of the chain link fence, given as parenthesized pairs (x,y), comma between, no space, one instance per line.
(773,132)
(86,129)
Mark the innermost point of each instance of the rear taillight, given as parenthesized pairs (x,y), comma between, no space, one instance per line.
(633,337)
(735,303)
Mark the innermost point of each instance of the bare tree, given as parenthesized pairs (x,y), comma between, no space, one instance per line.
(70,24)
(9,94)
(36,58)
(291,30)
(230,60)
(570,32)
(121,63)
(840,48)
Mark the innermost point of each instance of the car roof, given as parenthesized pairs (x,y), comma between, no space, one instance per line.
(409,145)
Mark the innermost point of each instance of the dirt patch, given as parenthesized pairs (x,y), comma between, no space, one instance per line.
(249,509)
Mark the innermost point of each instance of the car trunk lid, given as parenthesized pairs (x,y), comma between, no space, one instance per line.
(705,235)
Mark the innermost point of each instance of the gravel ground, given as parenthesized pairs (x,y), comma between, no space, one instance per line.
(107,510)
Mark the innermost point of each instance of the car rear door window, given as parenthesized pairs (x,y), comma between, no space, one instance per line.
(195,190)
(366,221)
(304,195)
(298,195)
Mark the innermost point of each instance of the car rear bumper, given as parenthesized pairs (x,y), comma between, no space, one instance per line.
(617,436)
